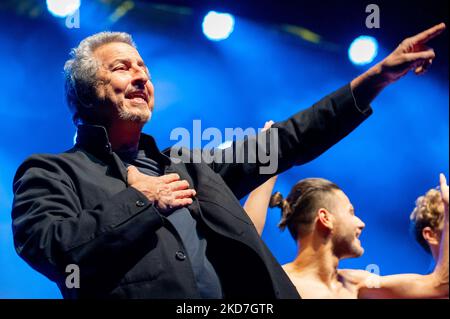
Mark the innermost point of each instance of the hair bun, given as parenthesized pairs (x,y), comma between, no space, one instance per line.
(276,200)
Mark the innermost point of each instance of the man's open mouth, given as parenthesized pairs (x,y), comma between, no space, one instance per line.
(138,96)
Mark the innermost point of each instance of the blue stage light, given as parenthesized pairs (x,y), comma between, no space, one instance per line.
(218,26)
(363,50)
(62,8)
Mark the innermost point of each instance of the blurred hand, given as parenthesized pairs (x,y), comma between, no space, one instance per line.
(167,192)
(411,54)
(267,125)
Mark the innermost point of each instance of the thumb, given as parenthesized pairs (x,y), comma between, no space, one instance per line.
(442,180)
(132,174)
(444,188)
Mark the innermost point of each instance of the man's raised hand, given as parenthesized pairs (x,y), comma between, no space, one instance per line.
(411,54)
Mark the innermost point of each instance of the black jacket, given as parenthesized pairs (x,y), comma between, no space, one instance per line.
(76,208)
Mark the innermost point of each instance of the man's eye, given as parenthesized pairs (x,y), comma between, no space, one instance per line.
(120,67)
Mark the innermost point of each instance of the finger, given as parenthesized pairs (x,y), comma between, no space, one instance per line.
(132,169)
(429,34)
(132,172)
(182,202)
(442,181)
(169,178)
(420,70)
(177,203)
(423,67)
(179,185)
(267,125)
(417,56)
(184,193)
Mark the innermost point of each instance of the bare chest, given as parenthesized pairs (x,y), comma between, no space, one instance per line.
(309,288)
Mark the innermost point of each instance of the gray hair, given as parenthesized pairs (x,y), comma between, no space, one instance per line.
(80,71)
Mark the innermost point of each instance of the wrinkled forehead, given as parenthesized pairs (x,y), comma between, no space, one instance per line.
(110,52)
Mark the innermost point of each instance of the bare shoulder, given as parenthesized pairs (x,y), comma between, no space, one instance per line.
(288,268)
(354,276)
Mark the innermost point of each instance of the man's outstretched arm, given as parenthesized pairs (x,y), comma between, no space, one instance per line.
(309,133)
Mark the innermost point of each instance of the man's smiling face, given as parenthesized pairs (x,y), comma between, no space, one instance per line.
(123,85)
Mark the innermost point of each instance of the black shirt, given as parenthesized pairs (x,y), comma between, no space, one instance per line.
(181,219)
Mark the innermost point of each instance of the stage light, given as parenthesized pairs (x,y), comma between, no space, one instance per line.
(363,50)
(218,26)
(62,8)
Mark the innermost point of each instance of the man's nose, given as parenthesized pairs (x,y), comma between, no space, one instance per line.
(140,77)
(362,225)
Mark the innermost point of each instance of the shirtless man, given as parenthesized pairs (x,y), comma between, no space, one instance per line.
(321,218)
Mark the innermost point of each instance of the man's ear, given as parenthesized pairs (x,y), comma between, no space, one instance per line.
(430,236)
(325,219)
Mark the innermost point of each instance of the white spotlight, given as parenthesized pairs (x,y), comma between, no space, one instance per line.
(363,50)
(218,26)
(62,8)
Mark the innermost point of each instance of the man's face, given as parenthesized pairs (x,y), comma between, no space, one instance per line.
(347,228)
(124,89)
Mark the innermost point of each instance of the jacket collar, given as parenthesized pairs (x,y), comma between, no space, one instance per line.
(94,139)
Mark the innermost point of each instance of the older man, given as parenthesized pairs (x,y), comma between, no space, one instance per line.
(140,225)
